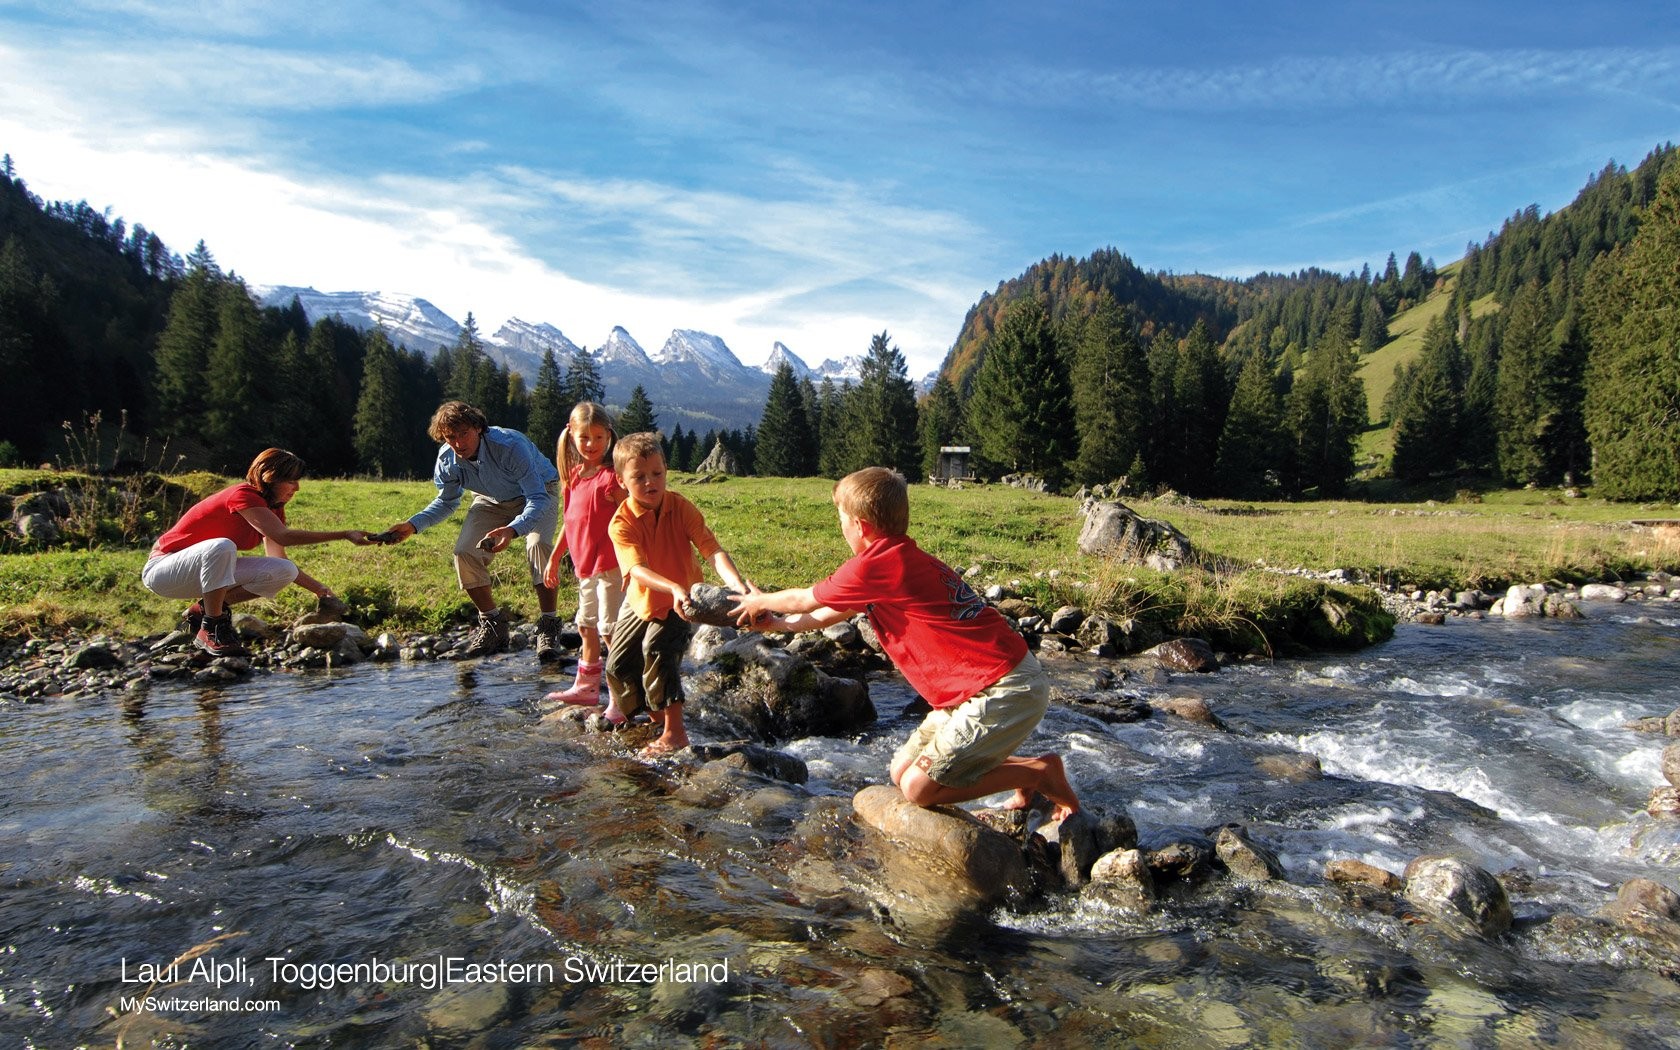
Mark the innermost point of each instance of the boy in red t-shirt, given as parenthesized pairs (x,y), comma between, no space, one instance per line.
(987,691)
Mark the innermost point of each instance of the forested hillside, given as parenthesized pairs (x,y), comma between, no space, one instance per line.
(1550,361)
(1085,370)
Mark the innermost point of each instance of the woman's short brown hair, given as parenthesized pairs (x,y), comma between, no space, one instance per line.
(271,466)
(452,416)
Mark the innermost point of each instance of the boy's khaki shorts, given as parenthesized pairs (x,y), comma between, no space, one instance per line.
(966,742)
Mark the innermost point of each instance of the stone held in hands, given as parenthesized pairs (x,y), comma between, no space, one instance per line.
(711,605)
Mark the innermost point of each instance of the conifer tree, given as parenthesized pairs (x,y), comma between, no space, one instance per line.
(183,353)
(1523,401)
(583,381)
(237,403)
(1633,382)
(1162,452)
(1251,444)
(1201,399)
(381,438)
(1477,423)
(1428,432)
(24,340)
(813,416)
(881,421)
(940,417)
(1325,412)
(548,407)
(1021,409)
(679,442)
(1110,389)
(832,446)
(787,447)
(638,414)
(1373,326)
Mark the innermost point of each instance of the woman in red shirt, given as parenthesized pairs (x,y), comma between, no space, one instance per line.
(199,558)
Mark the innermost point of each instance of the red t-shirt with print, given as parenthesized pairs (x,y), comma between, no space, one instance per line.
(946,641)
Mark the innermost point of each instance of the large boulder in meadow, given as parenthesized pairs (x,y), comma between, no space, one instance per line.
(1114,530)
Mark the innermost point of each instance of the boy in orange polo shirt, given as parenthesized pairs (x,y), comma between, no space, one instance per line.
(652,533)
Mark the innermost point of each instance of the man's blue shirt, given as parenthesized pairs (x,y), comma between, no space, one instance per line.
(508,466)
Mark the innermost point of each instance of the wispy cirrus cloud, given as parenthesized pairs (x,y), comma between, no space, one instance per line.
(1406,77)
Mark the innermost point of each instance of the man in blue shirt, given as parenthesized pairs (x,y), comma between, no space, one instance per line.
(516,492)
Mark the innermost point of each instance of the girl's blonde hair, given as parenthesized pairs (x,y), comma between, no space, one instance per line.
(566,454)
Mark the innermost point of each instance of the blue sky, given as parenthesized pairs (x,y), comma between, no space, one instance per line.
(812,172)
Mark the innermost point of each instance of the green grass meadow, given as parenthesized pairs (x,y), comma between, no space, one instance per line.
(783,532)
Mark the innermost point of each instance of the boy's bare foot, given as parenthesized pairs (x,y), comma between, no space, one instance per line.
(1021,799)
(660,746)
(1057,789)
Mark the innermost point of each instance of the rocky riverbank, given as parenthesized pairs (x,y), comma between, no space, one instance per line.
(754,697)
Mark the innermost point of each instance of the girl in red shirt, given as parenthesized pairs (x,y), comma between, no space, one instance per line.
(590,494)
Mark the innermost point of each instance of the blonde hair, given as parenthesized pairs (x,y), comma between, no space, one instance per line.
(567,455)
(876,495)
(452,416)
(273,465)
(636,446)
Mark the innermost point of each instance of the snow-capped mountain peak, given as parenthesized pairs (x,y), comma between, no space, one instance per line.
(408,319)
(780,355)
(621,348)
(848,369)
(535,338)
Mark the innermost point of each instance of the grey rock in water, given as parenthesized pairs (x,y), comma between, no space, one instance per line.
(1605,592)
(1122,879)
(1186,654)
(1183,861)
(753,758)
(1349,871)
(1244,857)
(1664,803)
(92,657)
(1641,902)
(1671,764)
(941,869)
(1459,892)
(767,693)
(1190,708)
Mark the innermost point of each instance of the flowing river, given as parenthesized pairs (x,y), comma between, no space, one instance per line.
(400,855)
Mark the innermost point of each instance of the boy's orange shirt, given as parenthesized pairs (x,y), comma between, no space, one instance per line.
(665,540)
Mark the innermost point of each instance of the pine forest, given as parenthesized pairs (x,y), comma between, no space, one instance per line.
(1548,358)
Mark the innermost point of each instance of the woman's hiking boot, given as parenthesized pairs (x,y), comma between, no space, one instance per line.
(194,618)
(489,635)
(217,637)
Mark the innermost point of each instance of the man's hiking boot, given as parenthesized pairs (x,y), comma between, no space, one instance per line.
(548,639)
(489,635)
(217,637)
